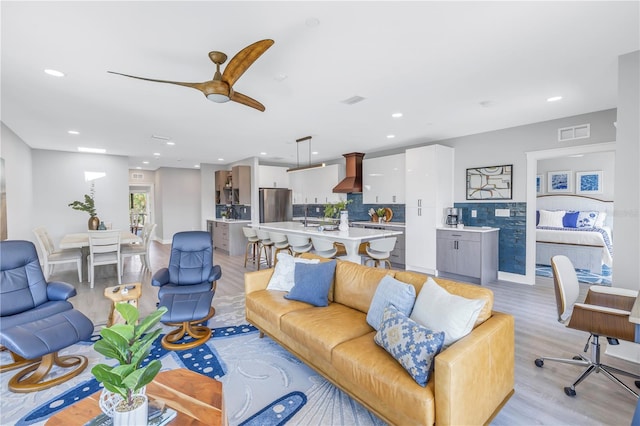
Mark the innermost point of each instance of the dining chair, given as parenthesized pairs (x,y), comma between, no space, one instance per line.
(104,249)
(324,248)
(139,249)
(299,244)
(51,256)
(379,251)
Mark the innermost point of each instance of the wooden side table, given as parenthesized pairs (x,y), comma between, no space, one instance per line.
(116,295)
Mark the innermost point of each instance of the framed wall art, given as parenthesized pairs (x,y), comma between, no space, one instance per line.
(539,184)
(560,182)
(589,182)
(490,183)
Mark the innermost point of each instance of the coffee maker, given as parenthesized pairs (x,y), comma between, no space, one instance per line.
(453,216)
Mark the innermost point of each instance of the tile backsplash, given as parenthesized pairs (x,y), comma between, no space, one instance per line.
(358,212)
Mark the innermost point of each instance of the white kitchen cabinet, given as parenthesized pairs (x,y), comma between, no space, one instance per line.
(429,190)
(315,186)
(383,180)
(273,177)
(470,254)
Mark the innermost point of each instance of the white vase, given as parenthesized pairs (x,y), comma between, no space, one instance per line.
(344,220)
(137,416)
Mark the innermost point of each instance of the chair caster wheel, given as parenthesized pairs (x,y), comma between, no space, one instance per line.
(637,382)
(570,391)
(539,362)
(577,358)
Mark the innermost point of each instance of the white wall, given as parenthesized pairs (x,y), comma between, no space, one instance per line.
(178,202)
(603,161)
(18,175)
(58,179)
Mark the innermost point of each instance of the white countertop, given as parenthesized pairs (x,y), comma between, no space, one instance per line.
(216,219)
(471,229)
(389,224)
(359,234)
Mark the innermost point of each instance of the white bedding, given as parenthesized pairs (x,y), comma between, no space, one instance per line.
(583,238)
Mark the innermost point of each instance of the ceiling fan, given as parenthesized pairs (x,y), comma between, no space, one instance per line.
(220,88)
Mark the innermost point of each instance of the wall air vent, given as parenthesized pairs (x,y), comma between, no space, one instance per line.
(581,131)
(137,176)
(353,100)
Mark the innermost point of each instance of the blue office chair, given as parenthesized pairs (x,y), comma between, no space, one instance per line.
(187,287)
(36,320)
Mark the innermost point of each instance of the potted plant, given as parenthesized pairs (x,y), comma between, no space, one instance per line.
(129,344)
(88,206)
(381,213)
(332,210)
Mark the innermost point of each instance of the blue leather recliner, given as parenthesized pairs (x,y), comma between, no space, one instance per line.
(36,320)
(187,287)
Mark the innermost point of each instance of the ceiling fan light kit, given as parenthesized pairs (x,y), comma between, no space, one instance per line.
(220,88)
(309,166)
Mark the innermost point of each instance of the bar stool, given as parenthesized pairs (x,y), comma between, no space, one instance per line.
(280,243)
(299,244)
(252,242)
(380,251)
(266,246)
(324,248)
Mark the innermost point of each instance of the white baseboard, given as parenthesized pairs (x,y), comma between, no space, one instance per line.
(515,278)
(625,350)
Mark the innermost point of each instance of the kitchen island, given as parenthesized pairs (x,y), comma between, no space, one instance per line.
(227,235)
(352,238)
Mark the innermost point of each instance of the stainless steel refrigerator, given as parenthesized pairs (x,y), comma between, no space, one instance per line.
(275,205)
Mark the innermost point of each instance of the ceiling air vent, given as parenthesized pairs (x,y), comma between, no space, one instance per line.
(353,100)
(581,131)
(137,176)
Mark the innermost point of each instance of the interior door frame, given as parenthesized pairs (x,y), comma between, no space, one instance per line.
(146,188)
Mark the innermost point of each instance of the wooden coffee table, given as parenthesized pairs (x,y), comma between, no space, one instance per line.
(131,296)
(197,400)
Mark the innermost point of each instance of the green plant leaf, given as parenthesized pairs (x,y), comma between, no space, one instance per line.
(143,376)
(117,340)
(124,330)
(129,312)
(108,349)
(151,320)
(141,348)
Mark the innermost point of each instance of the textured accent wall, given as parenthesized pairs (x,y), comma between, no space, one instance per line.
(513,233)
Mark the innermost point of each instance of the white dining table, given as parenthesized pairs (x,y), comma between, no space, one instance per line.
(351,238)
(81,240)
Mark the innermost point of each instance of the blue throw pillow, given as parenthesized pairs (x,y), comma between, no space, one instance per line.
(312,283)
(537,217)
(570,219)
(390,291)
(411,344)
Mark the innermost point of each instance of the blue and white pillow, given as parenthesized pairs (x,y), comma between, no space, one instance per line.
(587,219)
(411,344)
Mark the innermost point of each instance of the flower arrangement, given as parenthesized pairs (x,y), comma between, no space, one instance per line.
(88,205)
(332,210)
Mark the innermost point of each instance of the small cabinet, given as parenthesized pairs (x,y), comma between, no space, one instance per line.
(383,180)
(227,236)
(223,186)
(468,254)
(241,185)
(273,177)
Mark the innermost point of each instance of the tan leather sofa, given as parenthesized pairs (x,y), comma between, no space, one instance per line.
(472,378)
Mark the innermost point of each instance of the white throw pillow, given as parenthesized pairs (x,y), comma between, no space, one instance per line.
(439,310)
(552,219)
(284,273)
(600,220)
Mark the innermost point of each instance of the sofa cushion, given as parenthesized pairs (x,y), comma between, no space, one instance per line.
(283,274)
(439,310)
(372,373)
(271,305)
(411,344)
(390,291)
(321,329)
(312,283)
(356,284)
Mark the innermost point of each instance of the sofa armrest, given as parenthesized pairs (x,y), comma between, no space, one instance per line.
(258,280)
(475,376)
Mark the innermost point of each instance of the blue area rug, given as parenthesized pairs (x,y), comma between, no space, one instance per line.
(263,384)
(584,276)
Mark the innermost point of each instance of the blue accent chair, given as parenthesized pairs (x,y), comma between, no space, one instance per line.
(36,320)
(187,287)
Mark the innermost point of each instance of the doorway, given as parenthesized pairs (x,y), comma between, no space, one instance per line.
(140,207)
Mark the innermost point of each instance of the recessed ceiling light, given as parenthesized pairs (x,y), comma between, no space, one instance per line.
(396,115)
(145,162)
(139,168)
(314,153)
(220,159)
(391,136)
(171,143)
(92,150)
(263,153)
(197,166)
(157,154)
(54,73)
(73,132)
(554,98)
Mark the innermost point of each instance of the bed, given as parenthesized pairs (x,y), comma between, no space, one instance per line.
(576,226)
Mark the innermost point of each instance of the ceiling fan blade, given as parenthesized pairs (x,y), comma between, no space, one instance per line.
(246,100)
(243,60)
(199,86)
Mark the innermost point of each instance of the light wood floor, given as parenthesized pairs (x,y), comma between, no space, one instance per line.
(539,397)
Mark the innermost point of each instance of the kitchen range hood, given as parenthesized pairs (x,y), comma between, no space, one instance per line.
(353,180)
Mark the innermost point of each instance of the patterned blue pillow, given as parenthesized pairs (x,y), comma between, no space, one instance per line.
(587,219)
(411,344)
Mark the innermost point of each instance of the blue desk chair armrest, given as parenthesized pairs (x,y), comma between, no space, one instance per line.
(160,278)
(57,290)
